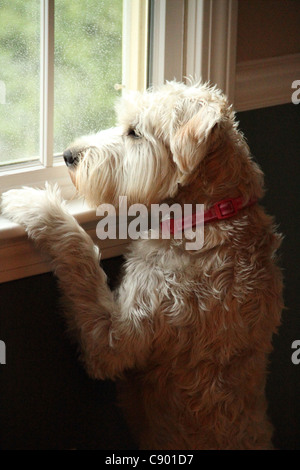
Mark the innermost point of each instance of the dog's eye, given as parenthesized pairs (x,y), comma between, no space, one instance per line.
(133,134)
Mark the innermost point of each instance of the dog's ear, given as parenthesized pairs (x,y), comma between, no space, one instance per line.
(191,141)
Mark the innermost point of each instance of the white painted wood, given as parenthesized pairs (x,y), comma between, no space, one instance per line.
(174,40)
(265,82)
(232,23)
(35,174)
(135,44)
(167,48)
(158,43)
(194,40)
(47,82)
(211,27)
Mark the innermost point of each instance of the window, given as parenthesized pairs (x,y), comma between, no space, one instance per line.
(86,63)
(59,64)
(20,76)
(59,61)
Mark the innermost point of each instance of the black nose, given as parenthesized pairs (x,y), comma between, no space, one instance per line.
(69,158)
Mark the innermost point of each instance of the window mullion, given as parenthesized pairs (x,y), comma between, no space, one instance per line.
(47,81)
(167,36)
(158,39)
(211,42)
(135,44)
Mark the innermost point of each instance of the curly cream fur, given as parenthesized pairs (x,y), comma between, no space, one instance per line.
(187,334)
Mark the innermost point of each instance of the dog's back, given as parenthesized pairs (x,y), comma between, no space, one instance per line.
(213,314)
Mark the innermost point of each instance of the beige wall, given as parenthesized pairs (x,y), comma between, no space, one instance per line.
(267,28)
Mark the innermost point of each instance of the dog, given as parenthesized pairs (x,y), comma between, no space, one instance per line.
(187,333)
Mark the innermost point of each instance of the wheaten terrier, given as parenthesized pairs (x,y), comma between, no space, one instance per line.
(188,332)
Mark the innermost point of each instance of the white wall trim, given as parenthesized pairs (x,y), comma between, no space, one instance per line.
(174,39)
(158,43)
(211,27)
(195,39)
(167,41)
(265,82)
(195,24)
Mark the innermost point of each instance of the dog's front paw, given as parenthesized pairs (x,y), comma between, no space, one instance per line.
(30,207)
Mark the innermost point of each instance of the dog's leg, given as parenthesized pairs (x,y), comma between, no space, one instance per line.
(111,339)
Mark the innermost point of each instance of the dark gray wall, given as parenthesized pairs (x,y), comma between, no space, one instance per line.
(46,399)
(274,138)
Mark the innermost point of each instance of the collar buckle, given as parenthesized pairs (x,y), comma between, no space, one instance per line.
(226,208)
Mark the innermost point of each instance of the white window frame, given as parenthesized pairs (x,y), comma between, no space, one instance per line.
(196,38)
(184,42)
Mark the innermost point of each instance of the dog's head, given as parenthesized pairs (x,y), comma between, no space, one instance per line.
(178,142)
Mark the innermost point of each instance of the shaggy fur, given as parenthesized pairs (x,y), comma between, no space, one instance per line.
(187,332)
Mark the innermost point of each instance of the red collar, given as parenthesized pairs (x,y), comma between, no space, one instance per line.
(219,211)
(226,208)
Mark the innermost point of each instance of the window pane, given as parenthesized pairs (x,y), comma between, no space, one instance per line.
(87,65)
(19,80)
